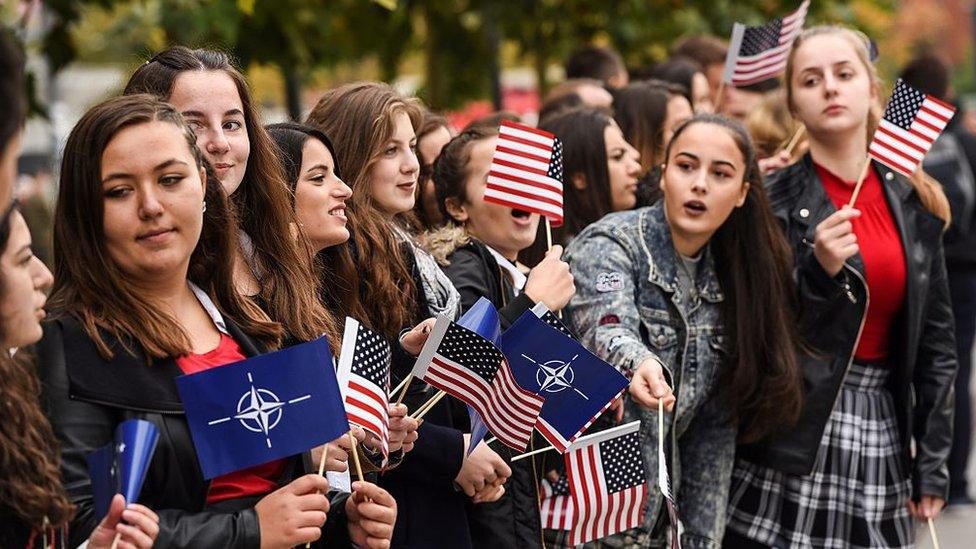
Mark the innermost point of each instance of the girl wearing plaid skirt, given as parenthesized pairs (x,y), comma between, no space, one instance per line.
(874,309)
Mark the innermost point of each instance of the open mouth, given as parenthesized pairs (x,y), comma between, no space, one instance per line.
(695,207)
(520,214)
(339,211)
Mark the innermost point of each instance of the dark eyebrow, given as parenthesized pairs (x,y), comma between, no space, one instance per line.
(199,114)
(725,163)
(318,167)
(159,167)
(682,153)
(234,112)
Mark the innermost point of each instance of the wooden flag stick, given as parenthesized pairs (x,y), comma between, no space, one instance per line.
(426,407)
(548,234)
(405,384)
(935,537)
(860,181)
(533,452)
(797,135)
(660,428)
(718,96)
(118,537)
(355,457)
(490,440)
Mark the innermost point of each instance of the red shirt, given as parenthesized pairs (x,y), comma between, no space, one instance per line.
(253,481)
(883,256)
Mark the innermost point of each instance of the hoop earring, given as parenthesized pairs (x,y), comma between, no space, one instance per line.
(204,206)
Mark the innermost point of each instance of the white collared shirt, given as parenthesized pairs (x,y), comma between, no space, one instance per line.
(518,277)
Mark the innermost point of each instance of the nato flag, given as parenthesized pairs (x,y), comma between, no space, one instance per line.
(482,319)
(264,408)
(120,466)
(577,385)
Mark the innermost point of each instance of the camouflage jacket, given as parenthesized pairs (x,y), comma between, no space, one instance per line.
(629,307)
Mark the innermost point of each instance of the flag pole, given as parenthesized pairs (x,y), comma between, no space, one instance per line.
(797,135)
(355,457)
(719,94)
(427,406)
(935,538)
(860,182)
(325,453)
(118,537)
(548,234)
(405,384)
(533,452)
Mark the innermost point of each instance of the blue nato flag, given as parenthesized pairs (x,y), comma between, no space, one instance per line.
(264,408)
(120,466)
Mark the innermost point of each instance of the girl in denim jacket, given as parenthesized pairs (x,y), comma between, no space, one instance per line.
(695,289)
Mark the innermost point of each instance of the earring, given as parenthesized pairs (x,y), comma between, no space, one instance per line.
(204,206)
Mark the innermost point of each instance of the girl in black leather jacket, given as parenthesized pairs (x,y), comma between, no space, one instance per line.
(874,309)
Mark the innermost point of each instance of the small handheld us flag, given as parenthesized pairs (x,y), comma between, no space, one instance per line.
(912,121)
(527,171)
(364,376)
(607,482)
(556,507)
(758,53)
(472,369)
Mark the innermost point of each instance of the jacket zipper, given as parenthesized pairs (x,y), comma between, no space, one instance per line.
(82,398)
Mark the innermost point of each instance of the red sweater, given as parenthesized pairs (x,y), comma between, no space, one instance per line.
(253,481)
(882,254)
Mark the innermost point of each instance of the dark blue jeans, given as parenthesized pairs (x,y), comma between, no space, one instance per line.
(962,286)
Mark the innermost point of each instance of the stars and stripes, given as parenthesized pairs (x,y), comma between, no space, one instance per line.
(469,367)
(556,508)
(527,171)
(607,483)
(364,374)
(912,121)
(758,53)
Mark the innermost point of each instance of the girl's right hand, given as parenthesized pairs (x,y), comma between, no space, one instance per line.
(834,241)
(648,385)
(550,281)
(138,531)
(294,514)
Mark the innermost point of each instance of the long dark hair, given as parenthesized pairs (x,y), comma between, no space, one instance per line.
(360,118)
(262,202)
(755,271)
(640,109)
(30,485)
(13,104)
(88,284)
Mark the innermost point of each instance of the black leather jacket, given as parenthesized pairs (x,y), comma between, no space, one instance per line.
(832,311)
(85,398)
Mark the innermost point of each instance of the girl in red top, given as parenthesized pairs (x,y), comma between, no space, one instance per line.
(874,310)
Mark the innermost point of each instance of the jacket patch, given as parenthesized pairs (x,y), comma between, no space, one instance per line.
(609,319)
(609,282)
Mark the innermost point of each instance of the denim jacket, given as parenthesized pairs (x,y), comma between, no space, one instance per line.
(628,307)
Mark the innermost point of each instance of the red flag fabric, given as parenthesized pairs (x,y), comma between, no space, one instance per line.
(759,53)
(527,171)
(364,376)
(912,121)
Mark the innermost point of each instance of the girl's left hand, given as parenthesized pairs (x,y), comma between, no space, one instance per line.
(403,429)
(413,341)
(927,508)
(138,531)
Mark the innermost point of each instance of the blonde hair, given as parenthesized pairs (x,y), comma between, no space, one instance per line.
(929,191)
(772,126)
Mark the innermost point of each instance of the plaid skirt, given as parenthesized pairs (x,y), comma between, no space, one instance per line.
(856,496)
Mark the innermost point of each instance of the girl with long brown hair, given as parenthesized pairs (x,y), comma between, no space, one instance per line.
(143,293)
(874,310)
(696,292)
(271,264)
(374,131)
(34,507)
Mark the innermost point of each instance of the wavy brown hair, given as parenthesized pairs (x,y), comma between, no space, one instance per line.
(359,118)
(289,289)
(30,484)
(754,263)
(88,284)
(929,191)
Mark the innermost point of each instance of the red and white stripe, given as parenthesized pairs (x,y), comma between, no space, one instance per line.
(556,510)
(509,411)
(903,150)
(598,513)
(366,406)
(561,443)
(519,173)
(745,70)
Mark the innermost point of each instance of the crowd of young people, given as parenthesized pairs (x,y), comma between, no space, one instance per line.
(803,351)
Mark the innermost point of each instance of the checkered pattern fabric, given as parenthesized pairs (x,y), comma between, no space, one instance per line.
(855,498)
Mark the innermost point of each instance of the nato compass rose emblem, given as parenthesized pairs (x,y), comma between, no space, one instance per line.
(555,376)
(259,410)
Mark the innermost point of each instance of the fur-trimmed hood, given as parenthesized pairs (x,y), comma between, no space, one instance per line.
(442,242)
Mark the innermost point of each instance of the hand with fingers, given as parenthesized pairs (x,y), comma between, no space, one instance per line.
(648,385)
(834,241)
(337,451)
(413,341)
(294,514)
(481,468)
(136,525)
(371,512)
(490,493)
(402,428)
(926,508)
(550,281)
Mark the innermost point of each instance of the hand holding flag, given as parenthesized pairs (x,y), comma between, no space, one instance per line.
(364,379)
(120,466)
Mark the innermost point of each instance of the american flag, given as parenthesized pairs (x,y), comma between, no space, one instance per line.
(527,171)
(552,320)
(469,367)
(364,376)
(556,508)
(912,122)
(607,483)
(758,53)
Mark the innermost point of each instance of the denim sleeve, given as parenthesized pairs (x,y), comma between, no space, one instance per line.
(605,314)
